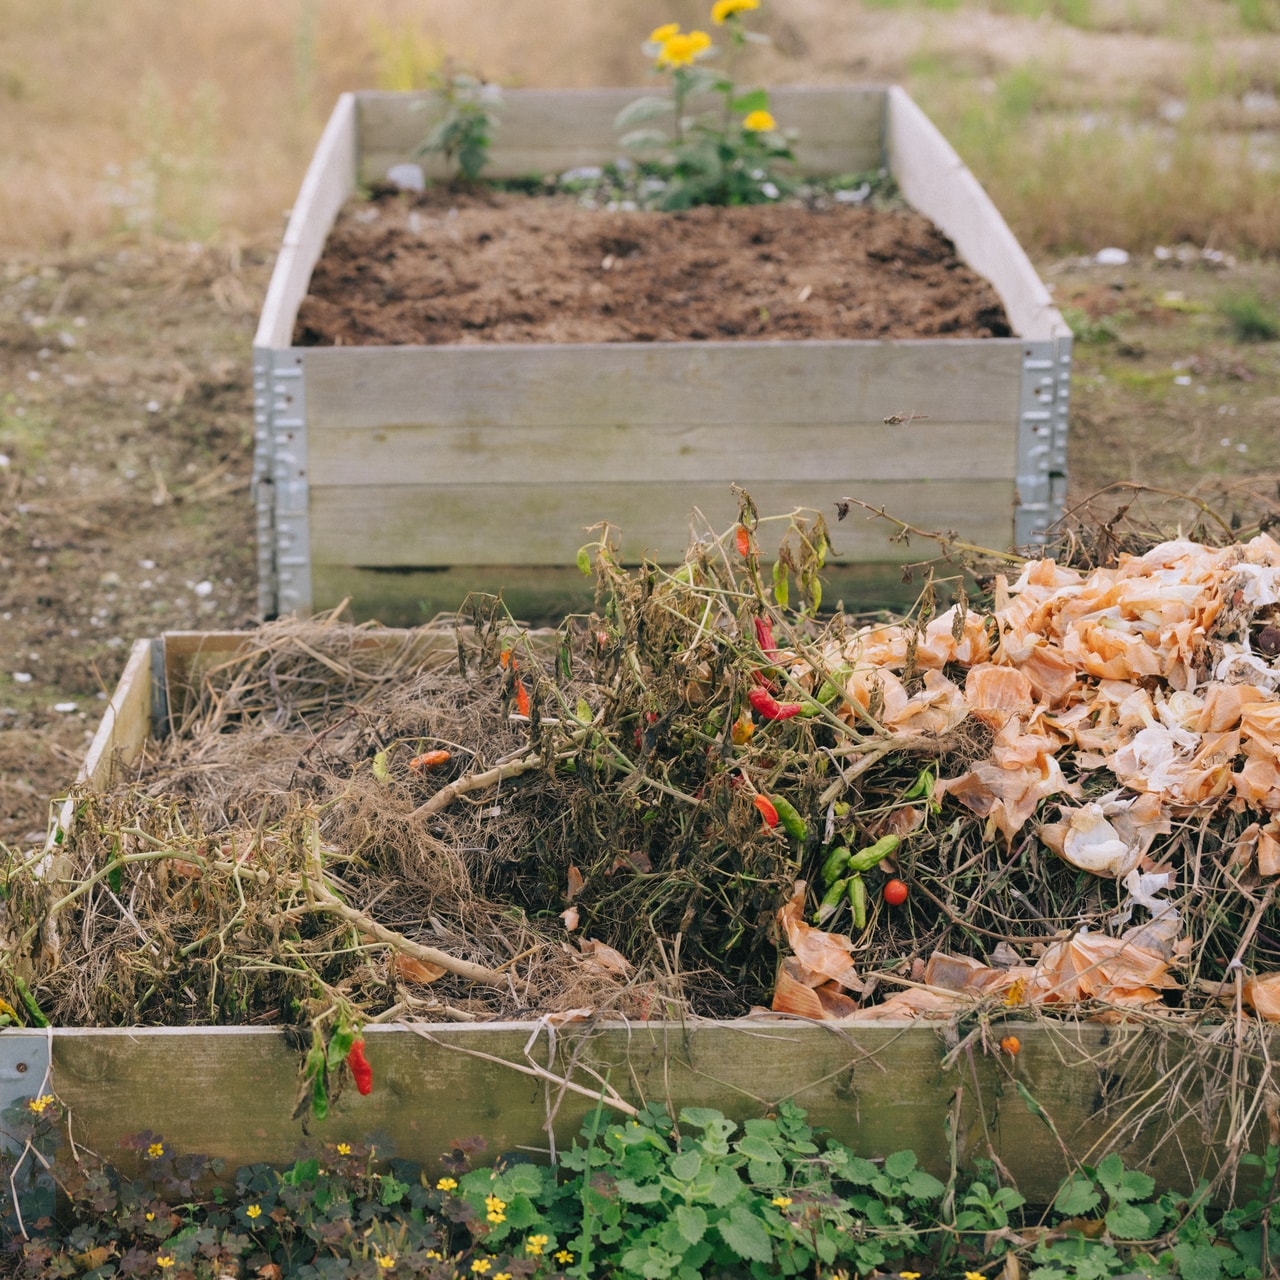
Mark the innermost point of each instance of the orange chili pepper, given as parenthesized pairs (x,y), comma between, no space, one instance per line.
(767,810)
(361,1071)
(522,698)
(743,537)
(430,760)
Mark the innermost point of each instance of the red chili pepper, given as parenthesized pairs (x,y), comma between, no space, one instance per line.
(743,537)
(767,810)
(769,707)
(764,634)
(361,1071)
(429,760)
(522,698)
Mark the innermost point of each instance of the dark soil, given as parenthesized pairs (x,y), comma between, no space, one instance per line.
(458,267)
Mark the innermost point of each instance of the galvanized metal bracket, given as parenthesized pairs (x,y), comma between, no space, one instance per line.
(25,1063)
(1043,399)
(281,488)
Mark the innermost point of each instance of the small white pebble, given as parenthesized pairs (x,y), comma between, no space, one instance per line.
(203,588)
(65,707)
(1182,380)
(22,677)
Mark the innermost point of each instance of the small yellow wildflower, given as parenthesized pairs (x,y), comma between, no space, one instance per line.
(386,1261)
(759,122)
(344,1148)
(723,9)
(41,1104)
(535,1244)
(503,1275)
(968,1275)
(447,1184)
(495,1217)
(481,1265)
(494,1204)
(165,1260)
(253,1211)
(908,1275)
(156,1150)
(660,35)
(151,1217)
(563,1256)
(681,49)
(781,1201)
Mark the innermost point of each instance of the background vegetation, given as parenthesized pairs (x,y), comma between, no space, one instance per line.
(1136,122)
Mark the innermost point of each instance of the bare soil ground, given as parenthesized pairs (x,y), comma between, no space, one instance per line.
(455,267)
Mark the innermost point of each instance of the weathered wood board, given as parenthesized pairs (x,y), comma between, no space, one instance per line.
(396,477)
(1160,1098)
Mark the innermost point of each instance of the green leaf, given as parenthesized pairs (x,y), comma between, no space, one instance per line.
(641,111)
(380,771)
(686,1166)
(1198,1261)
(900,1164)
(642,139)
(691,1221)
(1131,1222)
(115,877)
(1077,1196)
(636,1193)
(393,1190)
(861,1172)
(706,1118)
(922,1185)
(746,103)
(757,1149)
(584,561)
(1135,1185)
(726,1187)
(522,1180)
(744,1233)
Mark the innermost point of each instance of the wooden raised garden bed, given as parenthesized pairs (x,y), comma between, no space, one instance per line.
(402,477)
(880,1087)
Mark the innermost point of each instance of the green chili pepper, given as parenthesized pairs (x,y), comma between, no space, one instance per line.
(858,901)
(339,1046)
(319,1097)
(836,864)
(792,823)
(921,788)
(29,1003)
(830,903)
(873,854)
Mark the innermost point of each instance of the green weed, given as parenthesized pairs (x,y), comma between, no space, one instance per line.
(1250,317)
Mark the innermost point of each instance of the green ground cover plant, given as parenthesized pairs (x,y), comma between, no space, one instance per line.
(648,1197)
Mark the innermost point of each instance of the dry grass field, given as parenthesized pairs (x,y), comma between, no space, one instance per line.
(150,151)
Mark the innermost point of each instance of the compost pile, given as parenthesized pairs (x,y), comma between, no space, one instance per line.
(694,800)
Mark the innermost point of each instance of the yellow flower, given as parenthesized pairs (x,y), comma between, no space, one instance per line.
(386,1261)
(503,1275)
(253,1211)
(481,1265)
(563,1256)
(723,9)
(681,49)
(495,1217)
(908,1275)
(494,1204)
(447,1184)
(165,1260)
(151,1217)
(968,1275)
(344,1149)
(433,1253)
(535,1244)
(759,122)
(156,1150)
(41,1104)
(660,35)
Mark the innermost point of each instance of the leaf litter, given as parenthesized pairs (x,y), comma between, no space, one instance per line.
(647,811)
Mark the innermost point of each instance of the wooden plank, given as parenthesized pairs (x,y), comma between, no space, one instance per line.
(840,129)
(880,1088)
(458,524)
(936,182)
(545,596)
(329,180)
(679,451)
(593,384)
(125,724)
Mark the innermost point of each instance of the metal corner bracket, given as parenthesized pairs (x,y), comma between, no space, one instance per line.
(1043,397)
(280,484)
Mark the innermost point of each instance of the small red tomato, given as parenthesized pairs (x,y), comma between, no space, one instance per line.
(895,893)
